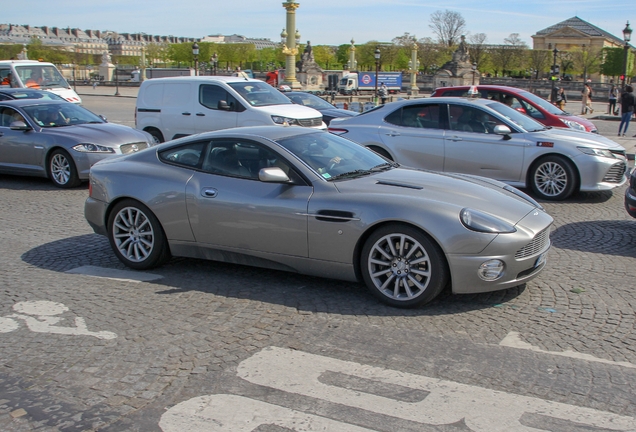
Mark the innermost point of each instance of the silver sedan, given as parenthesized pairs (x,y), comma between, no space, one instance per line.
(307,201)
(490,139)
(59,140)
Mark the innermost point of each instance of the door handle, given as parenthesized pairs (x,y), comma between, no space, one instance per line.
(393,133)
(455,138)
(185,113)
(209,192)
(201,114)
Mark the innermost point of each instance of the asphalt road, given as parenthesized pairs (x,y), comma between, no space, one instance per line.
(86,344)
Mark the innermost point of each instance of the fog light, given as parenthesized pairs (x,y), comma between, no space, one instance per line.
(491,270)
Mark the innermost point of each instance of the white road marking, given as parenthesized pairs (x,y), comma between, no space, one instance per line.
(513,340)
(120,275)
(483,410)
(240,414)
(45,320)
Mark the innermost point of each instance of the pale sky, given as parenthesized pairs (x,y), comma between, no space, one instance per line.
(323,22)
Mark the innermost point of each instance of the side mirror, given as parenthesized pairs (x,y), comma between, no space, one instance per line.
(502,130)
(103,118)
(522,110)
(19,125)
(273,175)
(223,105)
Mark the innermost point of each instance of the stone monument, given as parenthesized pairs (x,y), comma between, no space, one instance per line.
(459,71)
(309,73)
(107,68)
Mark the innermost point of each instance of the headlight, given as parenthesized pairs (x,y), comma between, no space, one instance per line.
(597,152)
(484,222)
(92,148)
(284,120)
(573,124)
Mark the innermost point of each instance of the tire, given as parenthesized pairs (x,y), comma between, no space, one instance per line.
(402,267)
(553,178)
(136,236)
(62,170)
(156,135)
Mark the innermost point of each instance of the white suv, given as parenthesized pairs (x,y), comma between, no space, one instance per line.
(170,108)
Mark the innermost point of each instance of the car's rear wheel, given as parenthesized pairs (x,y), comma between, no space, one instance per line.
(62,170)
(136,236)
(403,267)
(553,178)
(156,135)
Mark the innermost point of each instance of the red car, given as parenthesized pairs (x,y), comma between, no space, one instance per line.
(536,107)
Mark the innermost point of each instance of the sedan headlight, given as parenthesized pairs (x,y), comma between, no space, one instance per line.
(483,222)
(573,124)
(285,120)
(92,148)
(597,152)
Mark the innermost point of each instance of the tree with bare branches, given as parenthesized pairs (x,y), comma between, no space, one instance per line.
(448,26)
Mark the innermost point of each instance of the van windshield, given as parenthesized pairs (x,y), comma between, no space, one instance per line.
(259,93)
(40,76)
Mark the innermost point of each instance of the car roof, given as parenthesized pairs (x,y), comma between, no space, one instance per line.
(29,102)
(205,78)
(447,99)
(483,87)
(273,133)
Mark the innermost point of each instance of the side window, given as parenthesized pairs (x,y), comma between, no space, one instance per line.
(455,93)
(531,111)
(395,117)
(8,116)
(5,77)
(188,155)
(475,120)
(244,159)
(210,95)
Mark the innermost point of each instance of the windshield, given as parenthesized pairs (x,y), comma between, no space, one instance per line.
(334,157)
(516,117)
(552,109)
(58,115)
(310,101)
(40,76)
(259,94)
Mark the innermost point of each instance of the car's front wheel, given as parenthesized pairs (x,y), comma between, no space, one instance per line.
(136,236)
(553,178)
(403,267)
(157,136)
(62,169)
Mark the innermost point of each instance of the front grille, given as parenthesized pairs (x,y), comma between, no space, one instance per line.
(133,147)
(538,243)
(310,122)
(616,173)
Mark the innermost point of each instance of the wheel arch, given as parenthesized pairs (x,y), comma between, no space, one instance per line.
(151,129)
(538,160)
(357,252)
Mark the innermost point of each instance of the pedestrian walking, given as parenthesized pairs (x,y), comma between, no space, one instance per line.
(560,99)
(613,96)
(628,103)
(383,93)
(586,100)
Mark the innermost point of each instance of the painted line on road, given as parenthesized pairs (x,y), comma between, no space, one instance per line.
(513,340)
(120,275)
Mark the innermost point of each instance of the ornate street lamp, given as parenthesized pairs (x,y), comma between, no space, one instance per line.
(290,35)
(627,36)
(214,60)
(474,69)
(352,65)
(554,72)
(195,53)
(376,54)
(414,66)
(116,80)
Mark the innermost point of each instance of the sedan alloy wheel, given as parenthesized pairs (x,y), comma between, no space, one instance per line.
(553,178)
(62,170)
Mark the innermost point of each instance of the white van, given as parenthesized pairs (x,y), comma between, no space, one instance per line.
(170,108)
(38,75)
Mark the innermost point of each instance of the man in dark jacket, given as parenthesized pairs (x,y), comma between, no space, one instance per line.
(628,103)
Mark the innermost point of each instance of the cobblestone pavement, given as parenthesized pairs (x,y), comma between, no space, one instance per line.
(147,346)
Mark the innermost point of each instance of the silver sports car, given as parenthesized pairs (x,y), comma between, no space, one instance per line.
(307,201)
(59,140)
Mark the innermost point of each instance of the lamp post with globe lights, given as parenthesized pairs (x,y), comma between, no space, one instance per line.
(195,53)
(627,36)
(376,54)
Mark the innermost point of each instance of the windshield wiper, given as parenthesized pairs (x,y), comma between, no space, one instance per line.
(351,174)
(384,166)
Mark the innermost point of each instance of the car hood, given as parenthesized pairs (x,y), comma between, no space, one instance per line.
(578,138)
(337,112)
(581,120)
(290,110)
(107,134)
(459,190)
